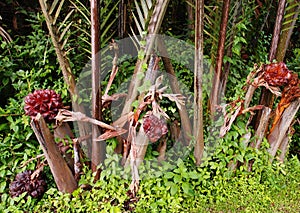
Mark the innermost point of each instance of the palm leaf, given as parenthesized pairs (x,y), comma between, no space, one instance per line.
(106,25)
(291,15)
(66,19)
(143,14)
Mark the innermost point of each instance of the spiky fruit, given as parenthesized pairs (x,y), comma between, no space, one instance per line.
(46,102)
(154,127)
(24,183)
(277,74)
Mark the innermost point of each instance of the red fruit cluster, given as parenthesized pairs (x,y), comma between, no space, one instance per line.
(154,127)
(277,74)
(46,102)
(23,183)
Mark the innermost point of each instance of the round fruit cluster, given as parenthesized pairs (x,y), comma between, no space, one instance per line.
(46,102)
(277,74)
(154,127)
(35,187)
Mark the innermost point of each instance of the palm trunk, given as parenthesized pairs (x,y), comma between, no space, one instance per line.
(198,97)
(154,26)
(287,29)
(215,93)
(267,98)
(98,148)
(224,77)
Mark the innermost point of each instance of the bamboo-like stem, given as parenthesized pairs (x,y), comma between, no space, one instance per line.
(198,73)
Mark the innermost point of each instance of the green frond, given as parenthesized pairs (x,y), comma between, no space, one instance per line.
(53,6)
(66,19)
(141,19)
(137,23)
(84,12)
(291,15)
(106,17)
(64,31)
(145,8)
(58,11)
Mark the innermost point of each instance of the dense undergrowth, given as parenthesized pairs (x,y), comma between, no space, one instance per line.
(175,185)
(184,188)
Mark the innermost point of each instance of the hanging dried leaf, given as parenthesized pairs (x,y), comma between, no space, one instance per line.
(66,115)
(235,110)
(289,94)
(110,134)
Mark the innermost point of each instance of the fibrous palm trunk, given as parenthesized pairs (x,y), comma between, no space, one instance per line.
(216,89)
(198,97)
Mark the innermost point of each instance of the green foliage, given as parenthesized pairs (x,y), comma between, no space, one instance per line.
(184,188)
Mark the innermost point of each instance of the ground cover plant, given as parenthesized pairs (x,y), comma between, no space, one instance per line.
(204,122)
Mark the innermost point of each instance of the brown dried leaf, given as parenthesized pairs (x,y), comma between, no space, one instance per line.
(66,115)
(111,134)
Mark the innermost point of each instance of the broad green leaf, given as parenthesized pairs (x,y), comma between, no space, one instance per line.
(174,189)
